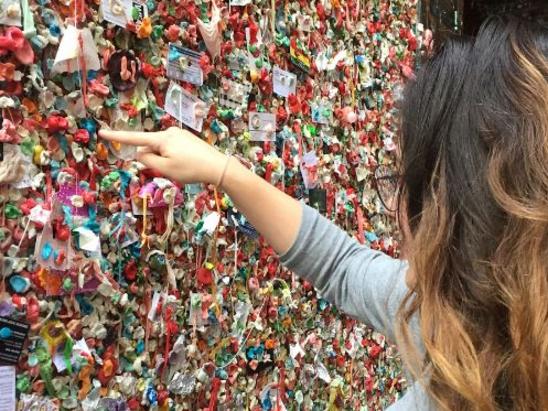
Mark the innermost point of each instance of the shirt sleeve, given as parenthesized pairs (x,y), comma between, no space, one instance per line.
(363,283)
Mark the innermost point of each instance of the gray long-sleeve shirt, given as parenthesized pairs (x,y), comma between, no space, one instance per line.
(365,284)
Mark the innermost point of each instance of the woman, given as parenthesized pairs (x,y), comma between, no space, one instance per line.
(469,309)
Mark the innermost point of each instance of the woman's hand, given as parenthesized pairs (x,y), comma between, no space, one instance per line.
(183,157)
(175,153)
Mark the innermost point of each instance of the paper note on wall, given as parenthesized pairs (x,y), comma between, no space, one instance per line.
(7,388)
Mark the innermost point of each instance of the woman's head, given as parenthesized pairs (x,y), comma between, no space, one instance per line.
(474,165)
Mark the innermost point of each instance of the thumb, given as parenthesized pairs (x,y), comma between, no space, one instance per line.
(154,161)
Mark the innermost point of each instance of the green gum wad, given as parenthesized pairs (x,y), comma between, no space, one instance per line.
(12,212)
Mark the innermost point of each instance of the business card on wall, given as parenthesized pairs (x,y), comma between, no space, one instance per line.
(10,13)
(122,12)
(185,107)
(233,94)
(12,337)
(262,126)
(184,64)
(284,82)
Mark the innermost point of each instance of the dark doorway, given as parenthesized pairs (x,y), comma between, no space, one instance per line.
(449,17)
(475,11)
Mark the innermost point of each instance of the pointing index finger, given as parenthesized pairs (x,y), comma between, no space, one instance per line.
(133,138)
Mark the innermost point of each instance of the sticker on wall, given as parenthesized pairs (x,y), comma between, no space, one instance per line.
(139,11)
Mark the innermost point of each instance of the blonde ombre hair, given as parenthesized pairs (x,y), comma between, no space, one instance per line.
(474,166)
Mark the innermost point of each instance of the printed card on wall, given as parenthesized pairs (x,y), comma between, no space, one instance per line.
(262,126)
(184,106)
(184,64)
(233,94)
(10,12)
(122,12)
(239,2)
(285,82)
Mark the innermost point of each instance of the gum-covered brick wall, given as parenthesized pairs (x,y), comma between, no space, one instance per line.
(123,290)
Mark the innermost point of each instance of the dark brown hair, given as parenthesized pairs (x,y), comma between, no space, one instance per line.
(474,159)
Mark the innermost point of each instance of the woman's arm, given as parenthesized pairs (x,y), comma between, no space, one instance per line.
(366,284)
